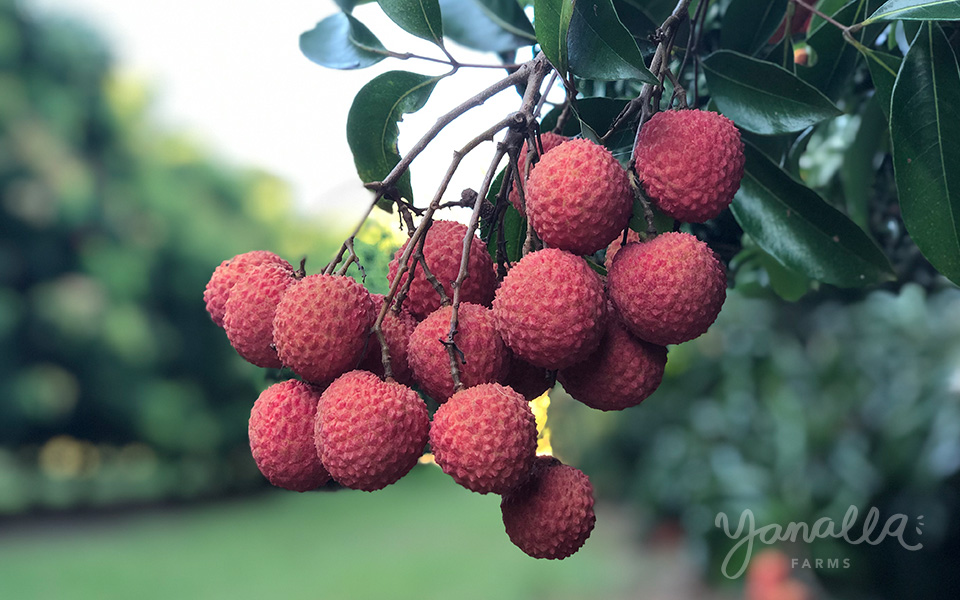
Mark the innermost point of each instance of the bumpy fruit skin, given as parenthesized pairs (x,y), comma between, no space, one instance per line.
(397,328)
(551,515)
(549,141)
(486,359)
(690,163)
(368,432)
(550,309)
(622,373)
(615,245)
(321,326)
(530,381)
(442,250)
(485,437)
(224,277)
(578,197)
(281,436)
(249,313)
(667,290)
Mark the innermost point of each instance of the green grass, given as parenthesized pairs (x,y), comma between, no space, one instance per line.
(422,538)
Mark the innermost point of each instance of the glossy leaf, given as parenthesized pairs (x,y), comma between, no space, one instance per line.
(601,48)
(372,129)
(342,42)
(836,58)
(552,26)
(925,135)
(883,71)
(917,10)
(763,97)
(804,233)
(485,25)
(746,27)
(418,17)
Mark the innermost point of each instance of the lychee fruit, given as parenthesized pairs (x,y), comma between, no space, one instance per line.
(485,437)
(321,326)
(551,515)
(550,309)
(250,309)
(530,381)
(368,432)
(615,245)
(484,358)
(621,373)
(281,436)
(667,290)
(397,328)
(442,250)
(226,275)
(689,163)
(548,141)
(578,197)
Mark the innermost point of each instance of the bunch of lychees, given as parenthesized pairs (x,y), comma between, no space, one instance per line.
(356,412)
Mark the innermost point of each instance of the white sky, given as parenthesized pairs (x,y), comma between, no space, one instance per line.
(232,75)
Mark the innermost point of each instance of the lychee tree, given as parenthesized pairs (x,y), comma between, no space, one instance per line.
(686,137)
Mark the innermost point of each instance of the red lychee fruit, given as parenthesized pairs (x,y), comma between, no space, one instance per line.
(579,197)
(442,251)
(667,290)
(321,326)
(689,163)
(551,515)
(615,245)
(621,373)
(250,309)
(530,381)
(397,328)
(550,309)
(226,275)
(281,436)
(485,437)
(485,358)
(549,141)
(368,432)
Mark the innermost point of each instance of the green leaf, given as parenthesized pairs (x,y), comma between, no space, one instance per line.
(552,25)
(514,226)
(836,59)
(763,97)
(342,42)
(596,114)
(746,27)
(804,233)
(656,10)
(858,172)
(827,7)
(883,71)
(917,10)
(349,5)
(418,17)
(490,26)
(372,129)
(601,48)
(925,135)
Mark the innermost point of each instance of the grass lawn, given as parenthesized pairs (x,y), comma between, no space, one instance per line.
(422,538)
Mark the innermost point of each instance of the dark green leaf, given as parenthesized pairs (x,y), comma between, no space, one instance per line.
(552,25)
(827,7)
(601,48)
(514,226)
(342,42)
(883,71)
(637,23)
(858,173)
(372,123)
(925,134)
(596,114)
(763,97)
(656,10)
(746,27)
(475,24)
(917,10)
(836,59)
(803,232)
(418,17)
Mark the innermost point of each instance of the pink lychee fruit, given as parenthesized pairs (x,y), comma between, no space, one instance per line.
(550,309)
(442,250)
(484,360)
(689,163)
(578,197)
(321,326)
(226,275)
(551,515)
(615,245)
(397,328)
(281,436)
(548,141)
(369,432)
(667,290)
(485,437)
(250,309)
